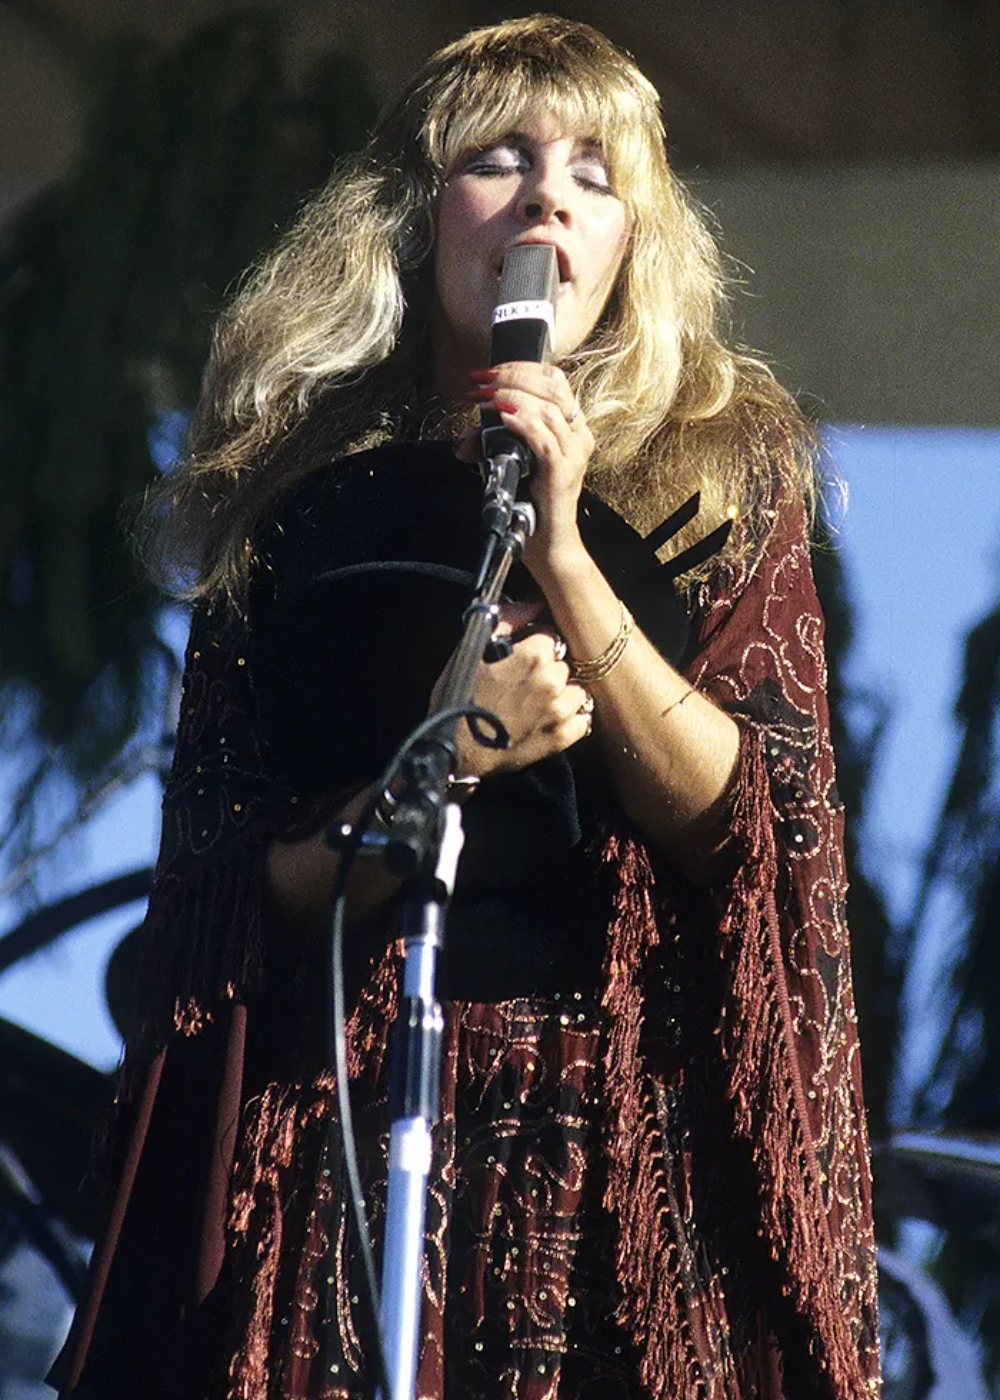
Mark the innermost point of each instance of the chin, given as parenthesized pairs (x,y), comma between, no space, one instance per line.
(567,345)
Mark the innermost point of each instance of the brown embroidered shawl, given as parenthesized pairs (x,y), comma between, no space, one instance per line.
(747,1122)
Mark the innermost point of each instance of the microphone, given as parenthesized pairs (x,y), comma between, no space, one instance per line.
(523,329)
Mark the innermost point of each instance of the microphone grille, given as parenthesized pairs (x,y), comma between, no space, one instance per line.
(530,273)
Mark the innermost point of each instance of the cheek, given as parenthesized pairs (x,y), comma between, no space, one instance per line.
(445,219)
(463,210)
(617,241)
(448,239)
(614,248)
(458,221)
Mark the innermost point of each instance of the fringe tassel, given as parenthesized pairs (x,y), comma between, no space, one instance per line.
(770,1107)
(766,1087)
(204,943)
(637,1193)
(372,1019)
(275,1143)
(256,1215)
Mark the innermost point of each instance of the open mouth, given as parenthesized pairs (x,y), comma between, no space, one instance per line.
(562,261)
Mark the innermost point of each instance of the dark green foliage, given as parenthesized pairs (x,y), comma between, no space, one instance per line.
(109,283)
(50,1106)
(190,163)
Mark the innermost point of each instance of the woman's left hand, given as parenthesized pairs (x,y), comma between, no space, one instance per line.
(669,752)
(536,402)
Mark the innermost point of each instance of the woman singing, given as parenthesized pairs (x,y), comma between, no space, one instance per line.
(651,1174)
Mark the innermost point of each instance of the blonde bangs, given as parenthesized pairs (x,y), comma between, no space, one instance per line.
(592,90)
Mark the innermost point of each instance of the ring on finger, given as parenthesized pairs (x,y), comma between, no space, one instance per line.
(560,647)
(586,705)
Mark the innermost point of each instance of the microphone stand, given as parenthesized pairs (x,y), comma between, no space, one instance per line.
(422,847)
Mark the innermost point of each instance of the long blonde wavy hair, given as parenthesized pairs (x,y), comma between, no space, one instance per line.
(324,351)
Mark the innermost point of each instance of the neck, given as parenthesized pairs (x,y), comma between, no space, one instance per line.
(452,361)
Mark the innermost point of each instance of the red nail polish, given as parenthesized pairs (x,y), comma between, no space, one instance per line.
(502,406)
(484,376)
(482,395)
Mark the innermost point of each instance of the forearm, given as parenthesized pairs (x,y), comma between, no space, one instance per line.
(670,753)
(301,875)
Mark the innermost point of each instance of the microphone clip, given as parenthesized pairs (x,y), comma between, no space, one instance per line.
(502,475)
(506,519)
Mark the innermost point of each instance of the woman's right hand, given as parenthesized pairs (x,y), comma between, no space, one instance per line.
(530,692)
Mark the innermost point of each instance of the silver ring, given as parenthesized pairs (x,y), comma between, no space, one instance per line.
(587,706)
(590,725)
(560,647)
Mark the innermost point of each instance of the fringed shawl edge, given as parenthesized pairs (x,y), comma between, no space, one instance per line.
(765,1085)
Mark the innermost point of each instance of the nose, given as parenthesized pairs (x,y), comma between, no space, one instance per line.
(544,195)
(537,211)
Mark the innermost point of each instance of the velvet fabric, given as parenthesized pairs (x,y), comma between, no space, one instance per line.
(651,1174)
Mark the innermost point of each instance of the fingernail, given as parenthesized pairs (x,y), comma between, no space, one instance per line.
(502,406)
(480,395)
(484,376)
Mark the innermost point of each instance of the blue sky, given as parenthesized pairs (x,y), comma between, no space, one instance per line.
(921,541)
(921,538)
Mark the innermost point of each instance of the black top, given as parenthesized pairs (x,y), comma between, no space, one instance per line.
(363,572)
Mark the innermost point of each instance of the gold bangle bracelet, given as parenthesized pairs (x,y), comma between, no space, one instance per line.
(584,672)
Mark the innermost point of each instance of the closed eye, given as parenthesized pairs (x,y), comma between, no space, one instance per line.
(598,184)
(590,171)
(498,160)
(587,167)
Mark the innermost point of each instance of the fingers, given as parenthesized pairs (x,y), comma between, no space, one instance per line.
(537,403)
(515,616)
(572,700)
(574,726)
(520,385)
(541,647)
(570,732)
(540,391)
(543,711)
(553,738)
(508,635)
(542,381)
